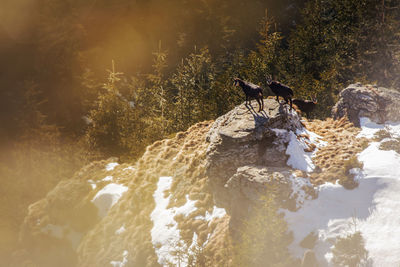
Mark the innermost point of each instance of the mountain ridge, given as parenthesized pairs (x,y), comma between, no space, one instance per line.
(213,166)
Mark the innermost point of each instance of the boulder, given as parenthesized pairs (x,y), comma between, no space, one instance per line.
(246,158)
(378,103)
(250,185)
(245,137)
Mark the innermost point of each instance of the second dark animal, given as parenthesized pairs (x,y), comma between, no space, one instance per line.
(251,91)
(281,90)
(306,106)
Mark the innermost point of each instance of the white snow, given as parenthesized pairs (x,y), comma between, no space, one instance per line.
(87,120)
(372,208)
(298,158)
(130,168)
(107,179)
(216,213)
(92,184)
(107,197)
(121,230)
(297,186)
(123,262)
(369,128)
(394,128)
(165,234)
(279,131)
(111,166)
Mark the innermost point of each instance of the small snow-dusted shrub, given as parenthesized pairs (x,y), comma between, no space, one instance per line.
(380,135)
(263,238)
(364,143)
(393,144)
(350,251)
(347,178)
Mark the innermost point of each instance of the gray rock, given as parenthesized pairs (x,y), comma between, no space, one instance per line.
(253,182)
(246,157)
(378,103)
(250,186)
(243,137)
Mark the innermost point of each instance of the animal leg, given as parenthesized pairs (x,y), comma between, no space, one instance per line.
(260,101)
(247,100)
(277,98)
(291,103)
(286,100)
(259,104)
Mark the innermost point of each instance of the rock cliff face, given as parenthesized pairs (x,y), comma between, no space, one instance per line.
(247,156)
(246,188)
(378,103)
(242,137)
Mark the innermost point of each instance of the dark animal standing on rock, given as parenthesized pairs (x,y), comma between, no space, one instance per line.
(281,90)
(306,106)
(251,91)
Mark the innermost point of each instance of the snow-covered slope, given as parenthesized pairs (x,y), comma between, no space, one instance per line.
(371,208)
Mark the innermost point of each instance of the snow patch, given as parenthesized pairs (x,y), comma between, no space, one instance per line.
(107,179)
(111,166)
(165,234)
(216,213)
(108,197)
(369,128)
(298,158)
(92,184)
(121,230)
(123,262)
(279,132)
(186,209)
(87,120)
(130,168)
(371,208)
(298,183)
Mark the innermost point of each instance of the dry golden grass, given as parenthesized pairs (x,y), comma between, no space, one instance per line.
(183,158)
(342,145)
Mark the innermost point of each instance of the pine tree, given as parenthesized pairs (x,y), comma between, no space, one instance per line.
(350,251)
(267,59)
(157,92)
(194,83)
(264,238)
(119,125)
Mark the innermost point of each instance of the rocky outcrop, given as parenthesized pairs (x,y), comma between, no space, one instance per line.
(246,158)
(378,103)
(243,137)
(249,186)
(250,182)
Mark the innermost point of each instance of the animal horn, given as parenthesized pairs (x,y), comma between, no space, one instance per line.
(315,98)
(268,78)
